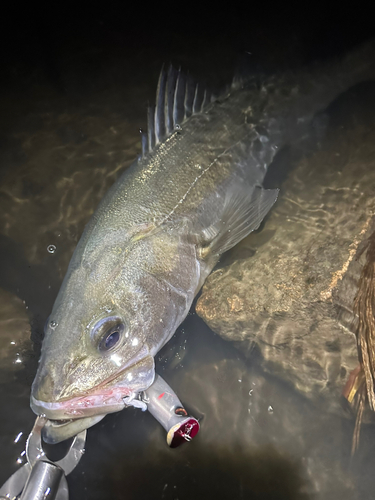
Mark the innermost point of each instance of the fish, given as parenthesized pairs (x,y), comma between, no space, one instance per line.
(194,193)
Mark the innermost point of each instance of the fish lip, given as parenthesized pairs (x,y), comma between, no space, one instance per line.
(80,406)
(59,423)
(109,400)
(55,431)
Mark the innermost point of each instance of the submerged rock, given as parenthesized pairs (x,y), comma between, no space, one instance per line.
(290,288)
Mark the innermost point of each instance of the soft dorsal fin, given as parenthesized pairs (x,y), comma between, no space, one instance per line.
(243,212)
(177,98)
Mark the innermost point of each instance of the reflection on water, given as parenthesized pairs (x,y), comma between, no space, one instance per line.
(258,437)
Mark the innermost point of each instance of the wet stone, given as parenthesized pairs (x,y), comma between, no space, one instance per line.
(295,296)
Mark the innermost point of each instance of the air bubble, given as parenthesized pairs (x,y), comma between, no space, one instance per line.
(53,324)
(270,409)
(51,249)
(177,127)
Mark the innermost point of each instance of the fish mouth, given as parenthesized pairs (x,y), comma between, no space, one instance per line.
(89,405)
(105,398)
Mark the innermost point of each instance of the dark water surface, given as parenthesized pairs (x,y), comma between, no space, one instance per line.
(70,125)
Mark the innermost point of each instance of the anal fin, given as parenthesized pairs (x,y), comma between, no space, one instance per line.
(243,212)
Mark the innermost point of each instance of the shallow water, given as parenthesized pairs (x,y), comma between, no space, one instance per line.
(69,133)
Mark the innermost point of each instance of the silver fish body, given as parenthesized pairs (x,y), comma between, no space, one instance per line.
(160,230)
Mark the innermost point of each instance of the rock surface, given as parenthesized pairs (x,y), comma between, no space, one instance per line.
(290,287)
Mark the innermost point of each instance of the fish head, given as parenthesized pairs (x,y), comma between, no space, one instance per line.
(100,341)
(92,375)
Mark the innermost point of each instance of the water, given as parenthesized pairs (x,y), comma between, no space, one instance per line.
(71,127)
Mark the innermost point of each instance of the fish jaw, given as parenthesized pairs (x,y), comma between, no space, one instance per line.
(105,398)
(103,402)
(56,431)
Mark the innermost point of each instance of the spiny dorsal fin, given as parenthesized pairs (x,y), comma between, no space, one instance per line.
(243,212)
(160,117)
(178,97)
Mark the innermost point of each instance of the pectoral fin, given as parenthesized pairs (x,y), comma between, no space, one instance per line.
(243,212)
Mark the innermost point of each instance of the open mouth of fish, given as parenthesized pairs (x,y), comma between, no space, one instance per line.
(67,418)
(87,409)
(100,401)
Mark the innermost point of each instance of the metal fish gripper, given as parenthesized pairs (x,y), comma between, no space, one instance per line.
(40,478)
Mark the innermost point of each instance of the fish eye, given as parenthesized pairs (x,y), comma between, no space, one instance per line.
(108,333)
(111,338)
